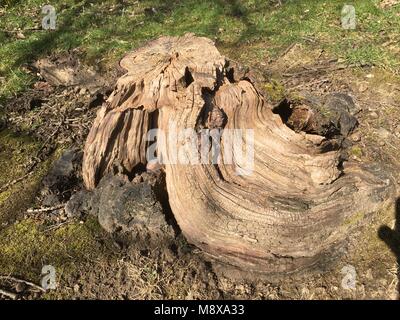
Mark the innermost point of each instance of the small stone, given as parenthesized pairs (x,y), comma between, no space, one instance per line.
(369,275)
(77,288)
(383,133)
(363,87)
(374,115)
(82,91)
(356,137)
(79,204)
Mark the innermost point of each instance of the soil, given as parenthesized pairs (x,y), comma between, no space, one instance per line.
(94,264)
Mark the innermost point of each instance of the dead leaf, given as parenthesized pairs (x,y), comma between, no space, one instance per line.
(20,35)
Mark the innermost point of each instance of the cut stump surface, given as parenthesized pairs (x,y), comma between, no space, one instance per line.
(295,209)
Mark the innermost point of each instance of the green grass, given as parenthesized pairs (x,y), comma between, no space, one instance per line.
(103,30)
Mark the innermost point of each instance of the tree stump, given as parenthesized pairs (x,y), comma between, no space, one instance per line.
(295,209)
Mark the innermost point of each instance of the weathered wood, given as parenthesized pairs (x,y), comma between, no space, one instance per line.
(297,207)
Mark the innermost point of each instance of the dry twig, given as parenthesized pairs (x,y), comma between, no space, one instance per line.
(8,294)
(28,283)
(45,209)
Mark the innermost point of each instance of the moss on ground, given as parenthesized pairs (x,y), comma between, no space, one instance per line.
(28,245)
(275,91)
(356,151)
(354,219)
(16,150)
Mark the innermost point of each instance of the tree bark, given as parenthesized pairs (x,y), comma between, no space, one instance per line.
(297,207)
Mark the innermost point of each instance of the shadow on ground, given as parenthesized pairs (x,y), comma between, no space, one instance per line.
(392,239)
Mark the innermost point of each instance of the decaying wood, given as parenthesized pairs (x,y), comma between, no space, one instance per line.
(295,210)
